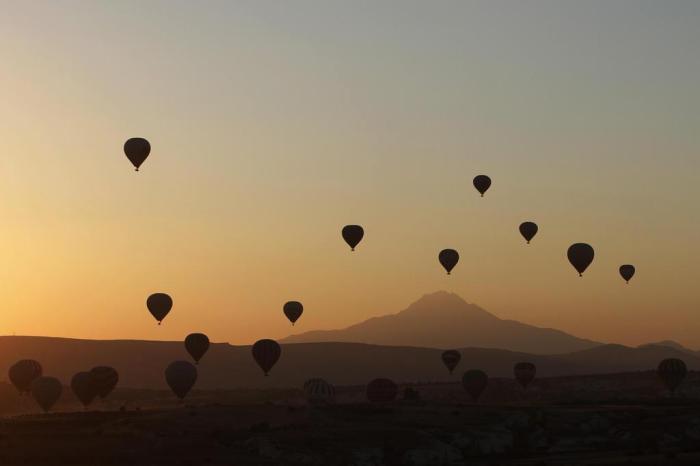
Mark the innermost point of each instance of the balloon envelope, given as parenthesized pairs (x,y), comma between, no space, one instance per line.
(448,259)
(159,304)
(382,391)
(318,391)
(23,373)
(474,382)
(353,234)
(451,358)
(137,151)
(524,373)
(528,230)
(482,183)
(580,255)
(672,371)
(266,353)
(105,379)
(181,377)
(293,310)
(84,387)
(196,345)
(46,391)
(627,272)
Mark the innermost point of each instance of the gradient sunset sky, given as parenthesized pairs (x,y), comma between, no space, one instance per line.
(273,124)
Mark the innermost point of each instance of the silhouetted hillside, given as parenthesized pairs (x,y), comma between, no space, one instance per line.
(141,363)
(444,320)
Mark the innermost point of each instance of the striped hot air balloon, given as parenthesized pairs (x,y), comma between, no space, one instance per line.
(524,373)
(23,373)
(266,353)
(105,379)
(318,391)
(672,371)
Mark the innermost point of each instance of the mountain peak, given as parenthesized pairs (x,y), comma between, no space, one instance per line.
(445,320)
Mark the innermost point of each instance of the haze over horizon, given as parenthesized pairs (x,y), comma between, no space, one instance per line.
(274,125)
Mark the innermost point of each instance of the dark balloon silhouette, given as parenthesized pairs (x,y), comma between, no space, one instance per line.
(448,258)
(159,304)
(627,272)
(137,151)
(181,377)
(382,391)
(23,373)
(580,256)
(293,310)
(672,372)
(84,387)
(482,183)
(451,358)
(46,391)
(266,353)
(524,373)
(105,379)
(528,230)
(318,391)
(353,234)
(474,382)
(197,345)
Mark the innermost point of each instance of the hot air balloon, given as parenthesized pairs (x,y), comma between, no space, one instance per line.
(105,379)
(382,391)
(159,304)
(293,310)
(528,230)
(23,373)
(197,345)
(448,258)
(451,358)
(474,382)
(46,391)
(181,377)
(137,150)
(524,373)
(580,255)
(318,391)
(482,183)
(353,234)
(627,272)
(266,353)
(84,387)
(672,371)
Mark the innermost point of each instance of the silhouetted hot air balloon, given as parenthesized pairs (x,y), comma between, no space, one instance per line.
(474,382)
(627,272)
(672,371)
(46,391)
(23,373)
(451,358)
(293,310)
(353,234)
(318,391)
(580,255)
(159,304)
(524,373)
(197,345)
(181,377)
(137,150)
(528,230)
(482,183)
(105,379)
(84,387)
(266,353)
(448,258)
(382,391)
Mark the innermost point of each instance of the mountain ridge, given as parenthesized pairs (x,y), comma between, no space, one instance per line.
(460,324)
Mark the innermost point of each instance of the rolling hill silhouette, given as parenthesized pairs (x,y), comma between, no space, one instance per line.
(444,320)
(141,364)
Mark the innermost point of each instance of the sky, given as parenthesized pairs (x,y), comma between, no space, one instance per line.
(273,124)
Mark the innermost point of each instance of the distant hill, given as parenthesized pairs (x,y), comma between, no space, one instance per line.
(672,344)
(141,363)
(444,320)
